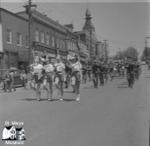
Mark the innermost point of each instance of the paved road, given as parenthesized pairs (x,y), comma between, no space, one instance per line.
(113,115)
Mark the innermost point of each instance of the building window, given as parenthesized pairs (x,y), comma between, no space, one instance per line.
(53,41)
(42,37)
(47,39)
(57,43)
(37,36)
(27,41)
(9,36)
(19,39)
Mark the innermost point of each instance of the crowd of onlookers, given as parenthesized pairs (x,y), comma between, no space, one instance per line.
(7,81)
(11,79)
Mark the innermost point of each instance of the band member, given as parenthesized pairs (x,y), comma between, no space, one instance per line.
(49,71)
(59,77)
(95,72)
(38,78)
(76,76)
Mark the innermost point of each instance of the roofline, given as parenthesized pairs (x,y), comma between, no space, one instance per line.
(14,14)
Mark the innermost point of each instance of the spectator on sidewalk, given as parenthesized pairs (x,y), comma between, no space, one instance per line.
(12,77)
(7,81)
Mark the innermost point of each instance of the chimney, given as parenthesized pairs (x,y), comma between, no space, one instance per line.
(69,26)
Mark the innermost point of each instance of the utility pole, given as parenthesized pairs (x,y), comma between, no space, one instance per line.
(106,51)
(28,8)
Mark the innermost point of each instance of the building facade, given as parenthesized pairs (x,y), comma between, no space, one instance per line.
(101,50)
(14,43)
(46,36)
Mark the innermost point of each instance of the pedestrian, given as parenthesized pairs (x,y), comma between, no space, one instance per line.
(7,80)
(12,79)
(23,77)
(95,72)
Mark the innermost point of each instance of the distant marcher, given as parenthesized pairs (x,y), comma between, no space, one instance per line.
(12,77)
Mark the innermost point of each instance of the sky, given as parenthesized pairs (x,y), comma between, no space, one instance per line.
(122,23)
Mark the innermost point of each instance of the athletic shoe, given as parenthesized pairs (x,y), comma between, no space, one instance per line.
(61,99)
(78,97)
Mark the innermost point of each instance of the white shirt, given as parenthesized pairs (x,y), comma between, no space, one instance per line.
(49,68)
(77,66)
(38,68)
(60,66)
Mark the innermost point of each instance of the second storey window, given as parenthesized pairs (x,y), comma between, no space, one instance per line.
(47,39)
(42,37)
(19,39)
(9,36)
(53,41)
(37,36)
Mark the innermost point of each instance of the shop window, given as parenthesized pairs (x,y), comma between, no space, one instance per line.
(19,39)
(53,41)
(9,36)
(47,39)
(37,35)
(42,37)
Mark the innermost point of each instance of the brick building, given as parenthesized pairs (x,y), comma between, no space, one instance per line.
(47,36)
(14,43)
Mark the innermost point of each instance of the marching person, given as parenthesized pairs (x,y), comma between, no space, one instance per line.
(12,76)
(38,77)
(95,72)
(76,76)
(49,71)
(59,77)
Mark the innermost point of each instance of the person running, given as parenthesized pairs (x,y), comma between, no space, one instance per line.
(76,76)
(95,72)
(59,69)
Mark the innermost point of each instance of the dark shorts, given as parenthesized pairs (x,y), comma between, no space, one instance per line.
(77,75)
(38,80)
(49,77)
(59,76)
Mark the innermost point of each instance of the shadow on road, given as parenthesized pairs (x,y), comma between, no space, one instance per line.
(45,99)
(68,91)
(69,100)
(123,85)
(35,99)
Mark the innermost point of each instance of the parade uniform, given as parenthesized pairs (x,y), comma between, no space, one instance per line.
(49,69)
(76,78)
(95,71)
(59,77)
(38,73)
(60,70)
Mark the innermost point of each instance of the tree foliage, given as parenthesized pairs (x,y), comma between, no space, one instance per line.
(130,52)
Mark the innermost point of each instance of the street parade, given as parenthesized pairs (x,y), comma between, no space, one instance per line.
(46,73)
(74,73)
